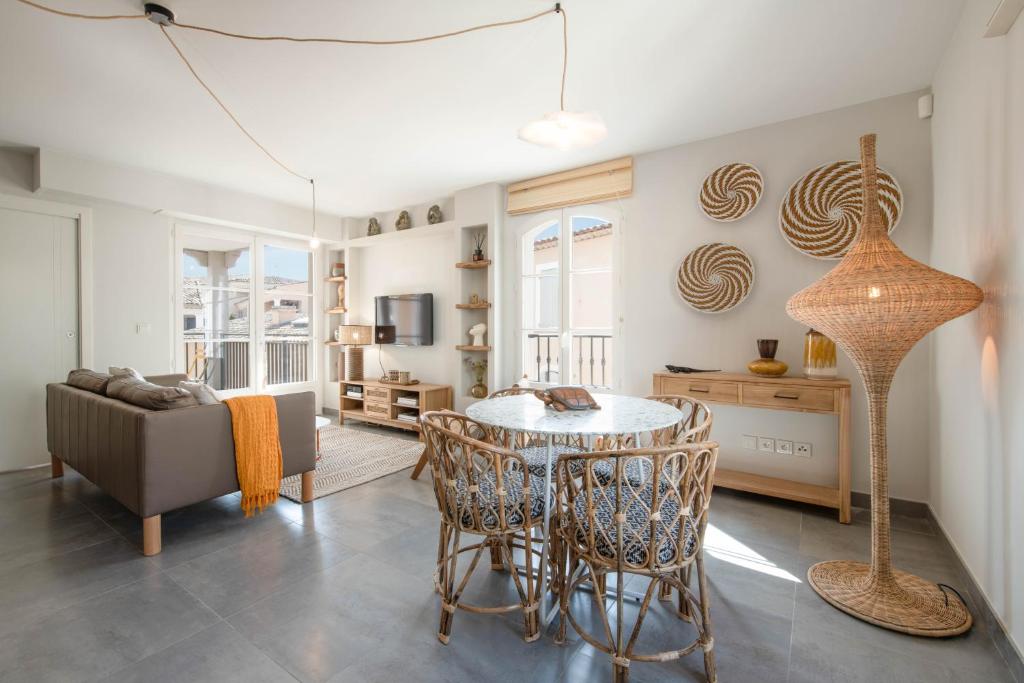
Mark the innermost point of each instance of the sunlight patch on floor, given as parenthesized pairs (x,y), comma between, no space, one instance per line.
(722,546)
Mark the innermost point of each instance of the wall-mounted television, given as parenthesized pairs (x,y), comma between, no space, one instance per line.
(405,320)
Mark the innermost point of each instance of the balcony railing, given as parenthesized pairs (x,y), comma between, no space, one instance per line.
(590,359)
(224,365)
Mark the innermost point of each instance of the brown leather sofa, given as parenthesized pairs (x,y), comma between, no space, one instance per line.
(154,461)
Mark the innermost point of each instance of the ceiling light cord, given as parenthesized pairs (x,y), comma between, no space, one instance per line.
(565,53)
(354,41)
(75,15)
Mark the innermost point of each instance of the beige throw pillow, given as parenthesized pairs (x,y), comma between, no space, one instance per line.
(148,395)
(202,392)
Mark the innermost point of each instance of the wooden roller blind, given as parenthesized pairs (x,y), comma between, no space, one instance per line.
(607,180)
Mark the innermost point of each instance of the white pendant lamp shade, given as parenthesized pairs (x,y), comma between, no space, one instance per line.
(565,130)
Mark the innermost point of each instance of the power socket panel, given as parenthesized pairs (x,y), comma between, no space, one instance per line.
(749,442)
(765,444)
(802,449)
(783,447)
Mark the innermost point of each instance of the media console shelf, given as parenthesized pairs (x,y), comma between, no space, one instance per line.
(830,397)
(380,402)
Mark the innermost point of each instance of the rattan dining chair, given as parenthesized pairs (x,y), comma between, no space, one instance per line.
(653,528)
(693,427)
(487,491)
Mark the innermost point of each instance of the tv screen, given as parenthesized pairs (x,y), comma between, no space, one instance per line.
(405,320)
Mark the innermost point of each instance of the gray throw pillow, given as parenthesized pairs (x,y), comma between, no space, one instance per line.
(145,394)
(120,372)
(90,380)
(202,392)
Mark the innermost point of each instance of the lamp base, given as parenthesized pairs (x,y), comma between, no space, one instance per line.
(909,605)
(353,363)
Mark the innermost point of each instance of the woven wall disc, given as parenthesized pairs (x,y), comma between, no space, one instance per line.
(730,192)
(715,277)
(821,213)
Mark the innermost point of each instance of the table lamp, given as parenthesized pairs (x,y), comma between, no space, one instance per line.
(352,337)
(876,304)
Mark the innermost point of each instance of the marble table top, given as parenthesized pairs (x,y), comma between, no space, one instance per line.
(618,415)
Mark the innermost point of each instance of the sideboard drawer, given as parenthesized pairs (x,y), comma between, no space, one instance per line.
(378,393)
(377,409)
(722,392)
(789,397)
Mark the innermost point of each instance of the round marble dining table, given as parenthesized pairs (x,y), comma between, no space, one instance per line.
(527,413)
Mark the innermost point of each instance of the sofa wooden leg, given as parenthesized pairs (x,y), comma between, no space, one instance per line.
(307,485)
(56,467)
(151,535)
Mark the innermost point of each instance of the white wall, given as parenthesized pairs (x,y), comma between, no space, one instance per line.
(977,425)
(133,215)
(663,223)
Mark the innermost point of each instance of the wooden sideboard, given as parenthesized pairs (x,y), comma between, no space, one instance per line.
(379,402)
(831,397)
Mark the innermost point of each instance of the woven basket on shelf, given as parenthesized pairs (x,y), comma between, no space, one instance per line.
(876,304)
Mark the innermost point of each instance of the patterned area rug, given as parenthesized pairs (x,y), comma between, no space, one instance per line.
(349,457)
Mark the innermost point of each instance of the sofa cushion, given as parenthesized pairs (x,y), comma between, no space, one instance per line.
(204,395)
(145,394)
(120,372)
(90,380)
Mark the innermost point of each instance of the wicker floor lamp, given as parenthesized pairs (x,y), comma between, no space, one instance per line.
(876,304)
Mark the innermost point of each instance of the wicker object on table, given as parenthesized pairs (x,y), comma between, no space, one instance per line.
(876,304)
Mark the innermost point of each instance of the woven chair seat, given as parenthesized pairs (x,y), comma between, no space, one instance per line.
(636,541)
(536,458)
(487,497)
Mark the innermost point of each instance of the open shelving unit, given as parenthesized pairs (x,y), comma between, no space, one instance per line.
(380,402)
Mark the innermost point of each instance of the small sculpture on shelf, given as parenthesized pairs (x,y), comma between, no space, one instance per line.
(434,215)
(479,368)
(373,228)
(477,332)
(404,221)
(478,239)
(766,365)
(474,299)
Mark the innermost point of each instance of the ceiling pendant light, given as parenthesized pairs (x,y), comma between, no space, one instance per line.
(563,129)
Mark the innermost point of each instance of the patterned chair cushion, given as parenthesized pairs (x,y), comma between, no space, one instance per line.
(638,528)
(488,500)
(536,458)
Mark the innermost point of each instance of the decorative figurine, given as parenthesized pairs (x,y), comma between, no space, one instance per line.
(404,221)
(479,367)
(478,238)
(434,215)
(373,228)
(477,332)
(766,365)
(474,299)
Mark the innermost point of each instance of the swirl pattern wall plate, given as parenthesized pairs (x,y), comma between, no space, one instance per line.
(715,277)
(730,192)
(821,213)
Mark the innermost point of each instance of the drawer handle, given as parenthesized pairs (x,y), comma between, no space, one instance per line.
(700,390)
(791,395)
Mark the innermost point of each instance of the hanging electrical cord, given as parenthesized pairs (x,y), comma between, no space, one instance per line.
(163,18)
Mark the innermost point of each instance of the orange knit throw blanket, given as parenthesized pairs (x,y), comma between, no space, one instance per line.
(257,450)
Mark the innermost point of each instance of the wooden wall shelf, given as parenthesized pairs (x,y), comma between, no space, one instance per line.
(474,307)
(339,278)
(470,347)
(473,265)
(337,310)
(828,397)
(332,343)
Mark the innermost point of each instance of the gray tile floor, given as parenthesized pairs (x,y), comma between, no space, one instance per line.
(340,590)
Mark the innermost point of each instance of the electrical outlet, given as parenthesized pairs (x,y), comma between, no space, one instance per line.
(750,442)
(783,447)
(802,449)
(765,444)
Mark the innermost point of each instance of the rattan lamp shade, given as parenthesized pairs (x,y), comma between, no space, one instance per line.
(876,304)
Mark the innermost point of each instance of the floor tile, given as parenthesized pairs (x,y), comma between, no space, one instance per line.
(217,653)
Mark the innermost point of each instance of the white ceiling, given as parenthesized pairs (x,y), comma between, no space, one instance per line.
(383,127)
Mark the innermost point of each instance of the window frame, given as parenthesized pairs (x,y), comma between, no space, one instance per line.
(257,356)
(523,227)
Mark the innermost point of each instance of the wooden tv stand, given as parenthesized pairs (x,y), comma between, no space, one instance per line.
(827,396)
(379,403)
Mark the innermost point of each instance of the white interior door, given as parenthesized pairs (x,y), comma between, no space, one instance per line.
(39,328)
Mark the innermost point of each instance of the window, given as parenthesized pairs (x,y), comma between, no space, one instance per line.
(567,299)
(222,279)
